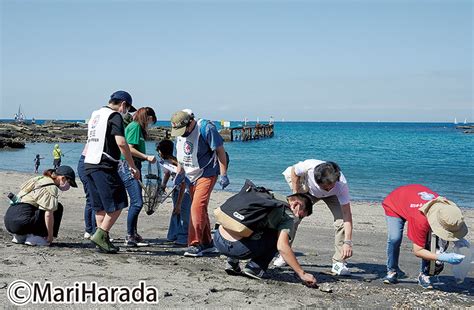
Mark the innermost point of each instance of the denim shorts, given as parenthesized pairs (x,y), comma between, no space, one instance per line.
(106,191)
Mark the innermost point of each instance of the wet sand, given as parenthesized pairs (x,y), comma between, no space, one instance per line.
(201,282)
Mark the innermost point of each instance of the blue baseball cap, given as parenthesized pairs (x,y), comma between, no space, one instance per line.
(123,95)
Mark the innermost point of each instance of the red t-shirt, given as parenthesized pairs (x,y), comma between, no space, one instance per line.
(404,203)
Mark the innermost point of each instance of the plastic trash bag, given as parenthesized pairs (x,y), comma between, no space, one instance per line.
(461,270)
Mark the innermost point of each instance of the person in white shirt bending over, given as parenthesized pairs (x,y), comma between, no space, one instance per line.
(325,181)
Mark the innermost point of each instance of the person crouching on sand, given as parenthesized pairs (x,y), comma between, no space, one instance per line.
(35,217)
(272,237)
(427,214)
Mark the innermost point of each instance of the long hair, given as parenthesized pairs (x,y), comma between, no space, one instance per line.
(141,117)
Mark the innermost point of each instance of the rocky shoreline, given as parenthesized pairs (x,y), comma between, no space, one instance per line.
(14,135)
(466,128)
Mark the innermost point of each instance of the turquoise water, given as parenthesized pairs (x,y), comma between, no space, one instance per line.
(375,157)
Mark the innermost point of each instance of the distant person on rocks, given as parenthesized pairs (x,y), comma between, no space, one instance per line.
(37,162)
(35,217)
(89,214)
(106,141)
(325,181)
(135,134)
(57,154)
(201,158)
(272,237)
(179,222)
(427,214)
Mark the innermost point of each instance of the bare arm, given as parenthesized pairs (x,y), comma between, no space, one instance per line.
(137,154)
(125,150)
(166,177)
(222,160)
(283,245)
(423,253)
(347,218)
(295,181)
(49,221)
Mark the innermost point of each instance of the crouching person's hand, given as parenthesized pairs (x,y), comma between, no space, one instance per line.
(308,279)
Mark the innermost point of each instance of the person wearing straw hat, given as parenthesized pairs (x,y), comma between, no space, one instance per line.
(428,216)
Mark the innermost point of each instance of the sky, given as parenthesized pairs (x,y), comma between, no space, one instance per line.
(409,61)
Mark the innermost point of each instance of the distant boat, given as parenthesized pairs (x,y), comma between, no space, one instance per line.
(455,121)
(19,116)
(465,121)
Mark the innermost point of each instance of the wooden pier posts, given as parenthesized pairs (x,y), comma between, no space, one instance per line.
(247,133)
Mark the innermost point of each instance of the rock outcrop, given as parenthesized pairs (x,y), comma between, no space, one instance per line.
(16,135)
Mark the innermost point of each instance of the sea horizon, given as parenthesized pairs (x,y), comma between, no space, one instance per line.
(5,120)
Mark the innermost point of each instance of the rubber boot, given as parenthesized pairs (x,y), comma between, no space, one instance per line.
(101,239)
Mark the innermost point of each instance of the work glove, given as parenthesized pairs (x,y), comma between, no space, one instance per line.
(451,258)
(224,182)
(461,243)
(179,178)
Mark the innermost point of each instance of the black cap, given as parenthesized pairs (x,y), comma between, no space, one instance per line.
(67,172)
(124,96)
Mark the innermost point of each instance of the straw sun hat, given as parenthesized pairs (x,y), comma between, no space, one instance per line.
(445,219)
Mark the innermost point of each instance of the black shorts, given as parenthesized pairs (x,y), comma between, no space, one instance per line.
(106,190)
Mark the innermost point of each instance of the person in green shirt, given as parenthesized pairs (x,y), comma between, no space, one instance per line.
(135,135)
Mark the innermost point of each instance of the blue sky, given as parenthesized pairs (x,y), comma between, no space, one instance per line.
(297,60)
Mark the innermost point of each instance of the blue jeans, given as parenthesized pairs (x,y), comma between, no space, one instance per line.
(395,227)
(179,223)
(89,213)
(134,191)
(260,248)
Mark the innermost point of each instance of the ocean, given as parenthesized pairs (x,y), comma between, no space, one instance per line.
(374,157)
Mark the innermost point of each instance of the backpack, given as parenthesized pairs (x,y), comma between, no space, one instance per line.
(246,212)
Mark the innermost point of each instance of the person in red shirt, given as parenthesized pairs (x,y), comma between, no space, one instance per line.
(425,211)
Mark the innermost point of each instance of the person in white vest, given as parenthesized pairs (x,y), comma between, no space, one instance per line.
(325,181)
(201,158)
(105,142)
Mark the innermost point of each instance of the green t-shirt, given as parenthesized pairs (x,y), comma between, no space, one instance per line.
(134,136)
(280,219)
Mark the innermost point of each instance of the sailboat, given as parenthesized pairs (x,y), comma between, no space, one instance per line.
(455,121)
(465,121)
(19,116)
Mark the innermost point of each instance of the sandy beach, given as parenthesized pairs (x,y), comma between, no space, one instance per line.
(201,282)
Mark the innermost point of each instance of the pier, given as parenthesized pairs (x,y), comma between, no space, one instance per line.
(247,133)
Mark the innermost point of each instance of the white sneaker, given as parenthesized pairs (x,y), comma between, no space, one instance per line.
(279,262)
(87,235)
(36,240)
(19,239)
(340,269)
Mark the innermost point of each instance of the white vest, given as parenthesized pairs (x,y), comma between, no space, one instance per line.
(186,152)
(97,128)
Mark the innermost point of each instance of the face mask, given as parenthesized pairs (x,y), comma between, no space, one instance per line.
(64,186)
(125,111)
